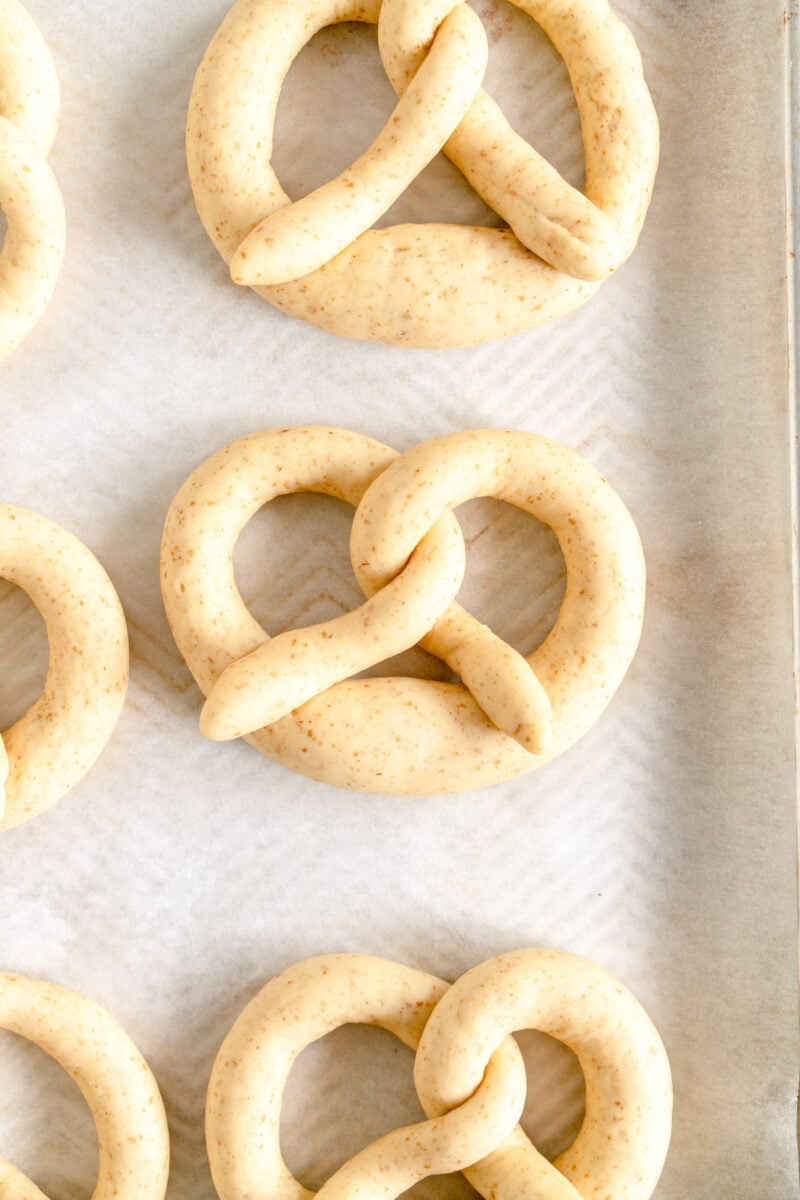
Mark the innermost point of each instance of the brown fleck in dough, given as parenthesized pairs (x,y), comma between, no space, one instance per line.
(292,696)
(319,259)
(469,1076)
(33,248)
(61,736)
(116,1083)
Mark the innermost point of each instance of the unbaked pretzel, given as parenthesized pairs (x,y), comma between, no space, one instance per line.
(422,285)
(291,696)
(116,1082)
(60,737)
(33,248)
(469,1076)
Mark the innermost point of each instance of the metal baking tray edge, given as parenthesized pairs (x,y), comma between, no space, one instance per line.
(792,21)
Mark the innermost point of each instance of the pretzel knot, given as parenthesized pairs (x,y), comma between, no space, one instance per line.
(469,1076)
(293,697)
(33,248)
(116,1082)
(423,285)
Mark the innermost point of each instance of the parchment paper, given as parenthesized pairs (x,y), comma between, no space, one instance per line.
(181,875)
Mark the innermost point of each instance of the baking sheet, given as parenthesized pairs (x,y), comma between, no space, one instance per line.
(180,875)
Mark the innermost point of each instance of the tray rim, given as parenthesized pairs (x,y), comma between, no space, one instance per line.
(792,165)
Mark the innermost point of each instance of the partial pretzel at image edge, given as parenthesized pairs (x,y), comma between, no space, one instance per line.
(468,1072)
(433,285)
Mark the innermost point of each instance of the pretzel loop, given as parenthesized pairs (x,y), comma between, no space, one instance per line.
(62,734)
(623,1141)
(574,665)
(303,236)
(116,1082)
(303,1004)
(549,216)
(469,1076)
(255,680)
(434,284)
(33,248)
(292,695)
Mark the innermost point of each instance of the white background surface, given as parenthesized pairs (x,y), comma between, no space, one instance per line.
(181,875)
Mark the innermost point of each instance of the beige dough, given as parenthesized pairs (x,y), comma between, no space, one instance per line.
(468,1073)
(60,737)
(116,1083)
(292,696)
(431,285)
(33,248)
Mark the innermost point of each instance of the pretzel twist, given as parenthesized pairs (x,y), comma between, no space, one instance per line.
(469,1076)
(116,1082)
(33,248)
(292,696)
(423,285)
(60,737)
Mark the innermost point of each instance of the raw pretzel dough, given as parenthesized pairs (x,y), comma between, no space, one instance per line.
(422,285)
(292,697)
(469,1076)
(33,248)
(116,1083)
(60,737)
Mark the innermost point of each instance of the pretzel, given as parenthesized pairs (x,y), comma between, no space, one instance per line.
(116,1082)
(429,285)
(60,737)
(291,696)
(468,1073)
(33,249)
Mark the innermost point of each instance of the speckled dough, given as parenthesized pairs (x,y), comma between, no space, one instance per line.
(60,737)
(469,1076)
(116,1083)
(429,285)
(292,696)
(33,248)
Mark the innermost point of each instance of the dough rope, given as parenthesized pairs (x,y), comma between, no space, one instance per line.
(33,247)
(292,696)
(60,737)
(115,1080)
(469,1076)
(429,285)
